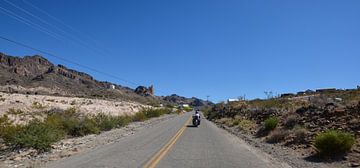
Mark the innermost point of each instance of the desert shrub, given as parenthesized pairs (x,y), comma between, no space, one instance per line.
(236,122)
(150,113)
(139,116)
(277,136)
(8,130)
(85,127)
(37,105)
(333,142)
(2,99)
(107,122)
(122,121)
(15,111)
(299,134)
(37,135)
(187,109)
(73,102)
(271,123)
(270,103)
(291,121)
(66,120)
(246,125)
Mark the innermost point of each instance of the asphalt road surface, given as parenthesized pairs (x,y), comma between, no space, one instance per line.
(173,143)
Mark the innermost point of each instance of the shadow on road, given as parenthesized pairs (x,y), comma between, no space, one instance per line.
(191,126)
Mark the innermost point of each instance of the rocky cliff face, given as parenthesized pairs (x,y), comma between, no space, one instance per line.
(24,74)
(36,71)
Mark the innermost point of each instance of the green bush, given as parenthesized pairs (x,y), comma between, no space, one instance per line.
(67,120)
(15,111)
(41,135)
(37,135)
(333,142)
(122,121)
(139,116)
(247,125)
(107,122)
(150,113)
(8,130)
(85,127)
(37,105)
(187,109)
(236,122)
(271,123)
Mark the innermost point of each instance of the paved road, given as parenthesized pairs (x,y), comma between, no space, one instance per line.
(172,143)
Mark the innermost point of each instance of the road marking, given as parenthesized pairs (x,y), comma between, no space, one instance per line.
(162,152)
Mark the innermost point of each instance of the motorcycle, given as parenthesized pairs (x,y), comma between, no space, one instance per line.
(196,121)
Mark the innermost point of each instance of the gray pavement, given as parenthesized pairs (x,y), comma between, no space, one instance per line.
(204,146)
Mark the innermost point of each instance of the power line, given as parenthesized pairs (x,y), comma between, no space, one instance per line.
(72,38)
(28,22)
(66,60)
(66,25)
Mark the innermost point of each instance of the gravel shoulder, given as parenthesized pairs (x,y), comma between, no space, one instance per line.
(69,147)
(284,154)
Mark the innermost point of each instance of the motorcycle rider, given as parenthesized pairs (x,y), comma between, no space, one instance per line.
(197,114)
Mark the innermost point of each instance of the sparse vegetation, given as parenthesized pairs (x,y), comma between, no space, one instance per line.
(37,105)
(299,134)
(13,111)
(41,134)
(291,121)
(8,130)
(271,123)
(333,142)
(187,109)
(277,136)
(37,135)
(106,122)
(2,99)
(139,116)
(246,125)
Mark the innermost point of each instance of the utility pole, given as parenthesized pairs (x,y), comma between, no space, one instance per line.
(207,98)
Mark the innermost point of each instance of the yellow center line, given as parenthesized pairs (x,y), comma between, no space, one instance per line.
(162,152)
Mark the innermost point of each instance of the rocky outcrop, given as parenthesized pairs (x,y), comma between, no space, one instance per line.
(145,91)
(37,72)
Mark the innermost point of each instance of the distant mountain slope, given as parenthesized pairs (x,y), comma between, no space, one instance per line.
(183,100)
(23,74)
(37,71)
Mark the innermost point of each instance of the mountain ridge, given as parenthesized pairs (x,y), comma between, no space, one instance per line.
(36,71)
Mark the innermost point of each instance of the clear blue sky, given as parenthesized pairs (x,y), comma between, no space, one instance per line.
(200,47)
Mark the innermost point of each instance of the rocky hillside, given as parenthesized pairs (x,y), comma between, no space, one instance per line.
(195,102)
(36,75)
(299,119)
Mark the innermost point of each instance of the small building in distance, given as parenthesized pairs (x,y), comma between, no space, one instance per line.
(112,87)
(232,100)
(325,90)
(308,92)
(185,105)
(287,95)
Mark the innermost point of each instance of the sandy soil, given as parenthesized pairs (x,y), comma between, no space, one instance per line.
(35,103)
